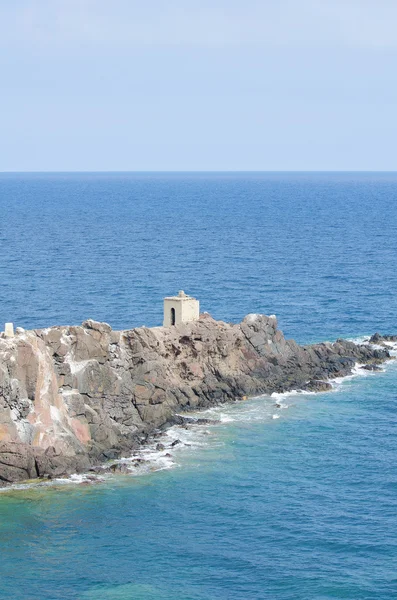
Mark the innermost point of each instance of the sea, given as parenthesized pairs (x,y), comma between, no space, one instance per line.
(292,496)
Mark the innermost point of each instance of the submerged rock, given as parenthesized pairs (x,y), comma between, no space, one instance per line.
(74,397)
(120,468)
(182,421)
(316,385)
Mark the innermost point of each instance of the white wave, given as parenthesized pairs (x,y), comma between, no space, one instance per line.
(336,382)
(280,404)
(164,450)
(78,478)
(149,460)
(75,479)
(357,371)
(282,395)
(364,340)
(225,418)
(361,340)
(393,347)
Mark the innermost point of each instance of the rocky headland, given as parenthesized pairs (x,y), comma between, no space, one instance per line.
(74,397)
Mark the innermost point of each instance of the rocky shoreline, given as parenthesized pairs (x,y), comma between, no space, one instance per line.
(74,397)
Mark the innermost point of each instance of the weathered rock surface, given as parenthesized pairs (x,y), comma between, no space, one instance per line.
(379,339)
(71,397)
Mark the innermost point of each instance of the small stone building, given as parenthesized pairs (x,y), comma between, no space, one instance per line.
(180,309)
(9,330)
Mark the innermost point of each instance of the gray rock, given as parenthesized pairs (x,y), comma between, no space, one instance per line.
(377,338)
(73,397)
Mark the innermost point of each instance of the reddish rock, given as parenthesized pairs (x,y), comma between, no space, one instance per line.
(72,396)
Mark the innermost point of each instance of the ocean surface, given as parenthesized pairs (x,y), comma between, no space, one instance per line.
(296,501)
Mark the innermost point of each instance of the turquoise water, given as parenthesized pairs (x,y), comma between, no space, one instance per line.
(297,502)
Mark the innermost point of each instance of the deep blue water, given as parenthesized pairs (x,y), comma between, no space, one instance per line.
(300,507)
(316,249)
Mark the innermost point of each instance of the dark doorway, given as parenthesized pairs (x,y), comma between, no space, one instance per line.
(172,316)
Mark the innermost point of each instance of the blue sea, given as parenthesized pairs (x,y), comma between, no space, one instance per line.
(297,502)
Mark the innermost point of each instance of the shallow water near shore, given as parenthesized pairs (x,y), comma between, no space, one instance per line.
(295,501)
(296,507)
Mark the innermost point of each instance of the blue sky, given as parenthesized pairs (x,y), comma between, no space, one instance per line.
(198,85)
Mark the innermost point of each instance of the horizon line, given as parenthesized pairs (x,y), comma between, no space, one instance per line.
(15,172)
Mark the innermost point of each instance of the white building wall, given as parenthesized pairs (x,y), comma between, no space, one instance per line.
(190,310)
(186,309)
(9,330)
(177,305)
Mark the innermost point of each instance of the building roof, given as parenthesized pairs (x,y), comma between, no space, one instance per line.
(181,296)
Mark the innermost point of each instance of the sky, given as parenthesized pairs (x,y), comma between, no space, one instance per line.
(198,85)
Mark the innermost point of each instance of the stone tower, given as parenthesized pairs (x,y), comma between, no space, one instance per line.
(9,330)
(180,309)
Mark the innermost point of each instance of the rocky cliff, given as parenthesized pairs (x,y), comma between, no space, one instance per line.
(71,397)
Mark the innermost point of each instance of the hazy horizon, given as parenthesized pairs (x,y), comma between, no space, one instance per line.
(187,171)
(292,85)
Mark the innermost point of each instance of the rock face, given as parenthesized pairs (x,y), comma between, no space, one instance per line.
(71,397)
(379,339)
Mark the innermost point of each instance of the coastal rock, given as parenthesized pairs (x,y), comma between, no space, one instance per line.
(74,397)
(16,462)
(316,385)
(377,338)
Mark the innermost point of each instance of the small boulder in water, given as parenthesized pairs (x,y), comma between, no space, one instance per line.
(317,385)
(160,447)
(186,421)
(119,468)
(111,454)
(371,368)
(175,443)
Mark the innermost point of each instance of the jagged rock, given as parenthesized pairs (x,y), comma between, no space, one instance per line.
(121,468)
(371,367)
(16,462)
(316,385)
(73,397)
(182,420)
(377,338)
